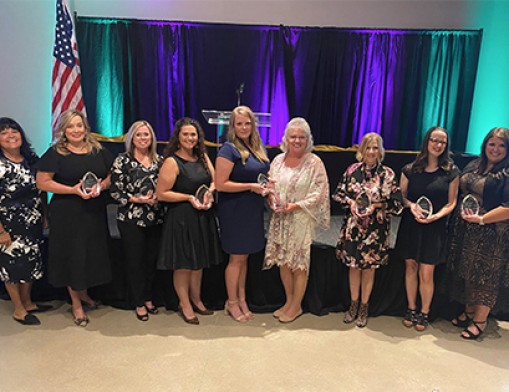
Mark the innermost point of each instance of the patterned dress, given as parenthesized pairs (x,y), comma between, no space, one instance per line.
(21,217)
(364,242)
(128,176)
(290,235)
(478,257)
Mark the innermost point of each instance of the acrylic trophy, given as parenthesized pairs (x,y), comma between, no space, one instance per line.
(203,196)
(470,205)
(425,206)
(363,203)
(146,186)
(89,183)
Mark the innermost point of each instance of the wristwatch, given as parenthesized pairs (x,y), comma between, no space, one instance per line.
(481,220)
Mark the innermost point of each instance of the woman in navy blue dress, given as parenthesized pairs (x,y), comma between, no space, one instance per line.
(240,204)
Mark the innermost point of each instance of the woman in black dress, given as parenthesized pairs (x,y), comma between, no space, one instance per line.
(190,240)
(421,240)
(21,220)
(479,249)
(78,239)
(133,179)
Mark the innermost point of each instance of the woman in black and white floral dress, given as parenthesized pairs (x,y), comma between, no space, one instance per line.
(133,179)
(20,221)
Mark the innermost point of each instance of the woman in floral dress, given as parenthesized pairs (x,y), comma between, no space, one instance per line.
(20,221)
(298,177)
(364,238)
(133,179)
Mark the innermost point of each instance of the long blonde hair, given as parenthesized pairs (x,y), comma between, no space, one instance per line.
(255,141)
(60,144)
(129,146)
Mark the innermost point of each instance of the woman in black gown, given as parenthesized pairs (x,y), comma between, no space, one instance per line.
(189,240)
(78,240)
(21,220)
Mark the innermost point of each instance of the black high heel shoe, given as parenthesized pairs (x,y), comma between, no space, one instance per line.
(152,309)
(471,335)
(141,317)
(462,323)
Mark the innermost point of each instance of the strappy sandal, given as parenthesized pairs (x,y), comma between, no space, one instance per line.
(410,318)
(460,322)
(422,322)
(471,335)
(227,310)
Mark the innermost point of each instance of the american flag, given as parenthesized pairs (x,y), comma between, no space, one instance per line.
(66,79)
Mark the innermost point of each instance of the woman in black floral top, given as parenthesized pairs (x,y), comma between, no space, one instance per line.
(133,179)
(20,222)
(364,238)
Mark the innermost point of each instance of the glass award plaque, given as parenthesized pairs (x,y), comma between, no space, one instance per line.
(146,187)
(279,200)
(470,205)
(202,195)
(263,179)
(89,183)
(363,203)
(425,206)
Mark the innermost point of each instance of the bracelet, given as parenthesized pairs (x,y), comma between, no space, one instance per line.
(481,220)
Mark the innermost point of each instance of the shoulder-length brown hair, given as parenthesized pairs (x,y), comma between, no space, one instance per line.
(60,144)
(255,141)
(129,146)
(444,160)
(199,150)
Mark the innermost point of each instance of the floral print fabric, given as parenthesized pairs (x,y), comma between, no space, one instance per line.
(127,178)
(364,242)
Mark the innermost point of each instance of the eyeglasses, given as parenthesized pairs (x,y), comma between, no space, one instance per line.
(437,141)
(297,137)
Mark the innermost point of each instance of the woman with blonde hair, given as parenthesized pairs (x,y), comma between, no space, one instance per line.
(364,237)
(78,240)
(133,180)
(241,204)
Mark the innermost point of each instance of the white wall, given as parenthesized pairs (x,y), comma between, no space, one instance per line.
(27,29)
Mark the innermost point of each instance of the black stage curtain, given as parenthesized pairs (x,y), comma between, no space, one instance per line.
(345,82)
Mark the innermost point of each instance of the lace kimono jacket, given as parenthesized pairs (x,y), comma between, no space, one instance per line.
(290,235)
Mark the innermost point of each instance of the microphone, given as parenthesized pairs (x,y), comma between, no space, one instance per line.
(240,90)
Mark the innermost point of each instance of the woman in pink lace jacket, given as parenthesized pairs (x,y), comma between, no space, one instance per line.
(300,201)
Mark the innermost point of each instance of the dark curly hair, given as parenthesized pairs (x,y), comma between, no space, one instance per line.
(26,149)
(199,150)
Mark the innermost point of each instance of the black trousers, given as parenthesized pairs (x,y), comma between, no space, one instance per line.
(141,246)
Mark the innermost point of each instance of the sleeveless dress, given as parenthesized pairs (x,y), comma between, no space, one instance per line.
(189,239)
(241,213)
